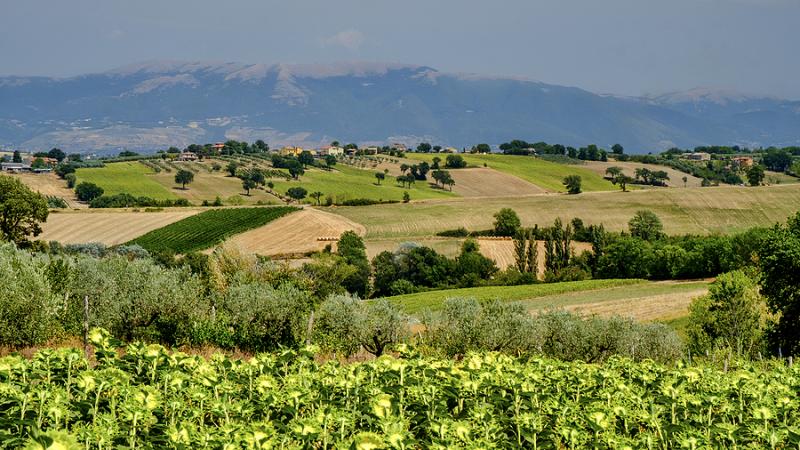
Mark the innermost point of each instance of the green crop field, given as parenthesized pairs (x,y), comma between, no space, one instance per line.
(345,182)
(148,397)
(208,228)
(125,177)
(545,174)
(432,300)
(724,209)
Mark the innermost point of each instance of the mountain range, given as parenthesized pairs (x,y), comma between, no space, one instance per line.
(152,105)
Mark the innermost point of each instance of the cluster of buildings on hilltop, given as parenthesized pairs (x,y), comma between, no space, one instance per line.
(32,165)
(741,162)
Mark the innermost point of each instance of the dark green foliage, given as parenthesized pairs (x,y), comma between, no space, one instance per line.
(128,201)
(573,184)
(455,162)
(779,260)
(646,225)
(86,192)
(208,228)
(21,211)
(506,222)
(297,192)
(777,160)
(184,177)
(755,175)
(351,248)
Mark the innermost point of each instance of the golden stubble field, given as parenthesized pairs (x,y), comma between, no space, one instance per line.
(724,209)
(110,227)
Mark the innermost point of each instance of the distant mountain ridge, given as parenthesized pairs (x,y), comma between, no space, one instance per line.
(151,105)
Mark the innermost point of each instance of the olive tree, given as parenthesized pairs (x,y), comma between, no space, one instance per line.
(29,309)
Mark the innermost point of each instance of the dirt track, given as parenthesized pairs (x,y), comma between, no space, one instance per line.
(296,233)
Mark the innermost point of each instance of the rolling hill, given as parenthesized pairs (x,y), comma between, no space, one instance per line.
(156,104)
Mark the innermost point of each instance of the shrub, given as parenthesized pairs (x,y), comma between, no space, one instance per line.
(94,249)
(56,202)
(506,222)
(137,299)
(264,318)
(732,315)
(30,309)
(458,232)
(364,202)
(70,178)
(86,192)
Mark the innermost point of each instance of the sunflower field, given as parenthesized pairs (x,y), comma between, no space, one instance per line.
(144,396)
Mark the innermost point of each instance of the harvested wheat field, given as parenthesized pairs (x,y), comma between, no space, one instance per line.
(502,252)
(662,300)
(295,234)
(483,182)
(110,228)
(629,168)
(48,184)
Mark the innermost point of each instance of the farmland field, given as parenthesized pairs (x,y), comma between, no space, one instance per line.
(208,228)
(109,227)
(545,174)
(295,233)
(125,177)
(724,209)
(153,398)
(345,182)
(416,303)
(49,184)
(483,182)
(209,185)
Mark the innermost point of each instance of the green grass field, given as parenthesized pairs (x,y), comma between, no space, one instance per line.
(208,228)
(432,300)
(724,209)
(545,174)
(345,182)
(126,177)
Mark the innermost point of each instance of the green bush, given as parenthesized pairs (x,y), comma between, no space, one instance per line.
(136,298)
(29,309)
(346,324)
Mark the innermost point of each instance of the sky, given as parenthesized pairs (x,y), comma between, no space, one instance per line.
(626,47)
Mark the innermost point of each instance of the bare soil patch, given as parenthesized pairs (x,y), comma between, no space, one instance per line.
(107,227)
(484,182)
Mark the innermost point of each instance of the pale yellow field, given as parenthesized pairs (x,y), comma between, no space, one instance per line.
(49,184)
(483,182)
(296,233)
(107,226)
(629,168)
(723,209)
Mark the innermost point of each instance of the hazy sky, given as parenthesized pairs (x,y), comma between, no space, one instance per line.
(629,47)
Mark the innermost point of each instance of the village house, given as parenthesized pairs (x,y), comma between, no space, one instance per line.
(370,150)
(449,150)
(399,147)
(15,167)
(331,150)
(697,156)
(743,162)
(217,148)
(291,151)
(186,156)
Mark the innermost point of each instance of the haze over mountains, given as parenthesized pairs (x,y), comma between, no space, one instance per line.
(152,105)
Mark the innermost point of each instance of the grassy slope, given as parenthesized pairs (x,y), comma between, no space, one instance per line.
(207,186)
(415,303)
(125,177)
(347,182)
(692,210)
(545,174)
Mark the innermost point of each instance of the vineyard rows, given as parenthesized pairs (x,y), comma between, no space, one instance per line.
(208,228)
(152,398)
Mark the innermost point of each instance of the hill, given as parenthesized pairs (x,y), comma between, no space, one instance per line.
(157,104)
